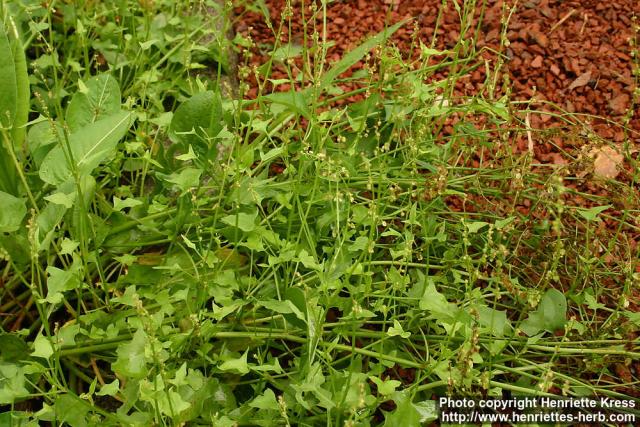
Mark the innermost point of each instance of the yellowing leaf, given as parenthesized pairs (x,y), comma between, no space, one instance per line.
(606,162)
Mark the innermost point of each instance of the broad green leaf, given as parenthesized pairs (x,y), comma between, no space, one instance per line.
(427,51)
(14,82)
(71,410)
(238,365)
(297,297)
(120,204)
(502,223)
(285,52)
(633,317)
(8,80)
(185,179)
(243,221)
(12,212)
(592,213)
(19,130)
(550,316)
(405,414)
(497,108)
(110,389)
(475,226)
(42,138)
(58,282)
(90,146)
(428,411)
(396,330)
(63,199)
(494,320)
(386,387)
(592,302)
(66,336)
(47,220)
(361,243)
(297,102)
(265,401)
(283,307)
(436,303)
(12,384)
(131,360)
(42,347)
(308,260)
(100,99)
(197,120)
(12,348)
(10,112)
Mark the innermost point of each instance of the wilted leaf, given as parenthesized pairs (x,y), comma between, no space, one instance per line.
(607,162)
(582,80)
(619,104)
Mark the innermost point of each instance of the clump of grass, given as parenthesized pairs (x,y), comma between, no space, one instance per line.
(282,261)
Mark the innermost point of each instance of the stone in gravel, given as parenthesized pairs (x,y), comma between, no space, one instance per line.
(619,104)
(540,38)
(554,69)
(537,62)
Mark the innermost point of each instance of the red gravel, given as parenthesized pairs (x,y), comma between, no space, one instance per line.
(576,54)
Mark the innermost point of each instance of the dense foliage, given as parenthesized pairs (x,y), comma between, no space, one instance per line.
(173,253)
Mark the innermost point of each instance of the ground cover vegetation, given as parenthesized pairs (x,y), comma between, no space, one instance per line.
(179,250)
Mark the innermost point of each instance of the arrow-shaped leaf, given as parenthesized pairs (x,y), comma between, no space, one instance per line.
(357,54)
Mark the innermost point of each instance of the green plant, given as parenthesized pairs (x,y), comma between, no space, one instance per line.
(178,256)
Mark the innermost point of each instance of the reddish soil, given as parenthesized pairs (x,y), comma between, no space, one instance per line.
(572,56)
(576,54)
